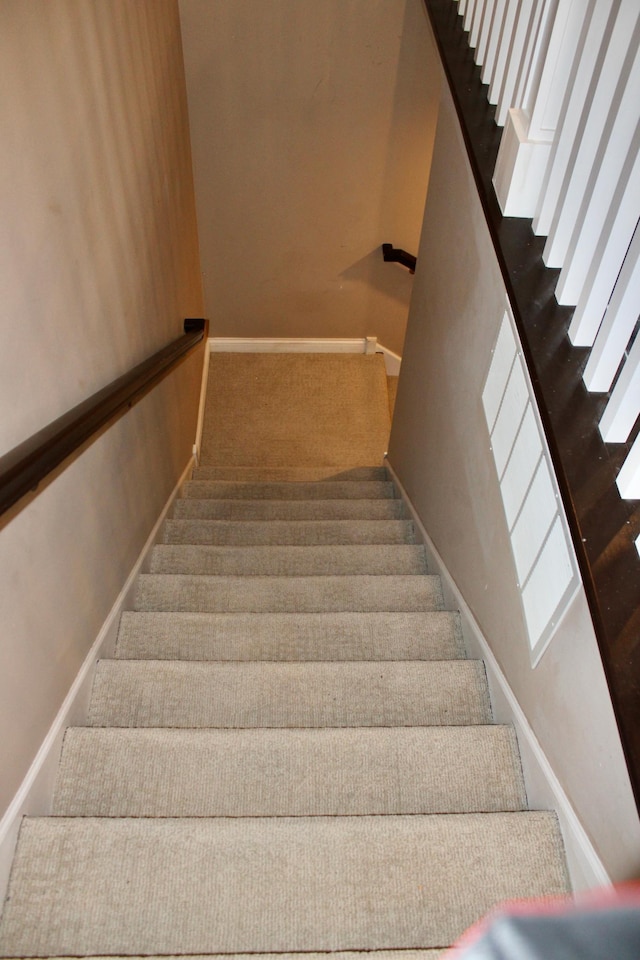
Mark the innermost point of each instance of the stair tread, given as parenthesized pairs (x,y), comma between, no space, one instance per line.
(145,886)
(292,533)
(291,772)
(308,594)
(289,561)
(290,490)
(290,636)
(150,693)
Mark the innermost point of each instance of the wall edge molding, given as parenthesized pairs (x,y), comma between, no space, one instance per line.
(287,345)
(197,446)
(35,794)
(544,790)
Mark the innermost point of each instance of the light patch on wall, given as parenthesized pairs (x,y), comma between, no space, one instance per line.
(545,565)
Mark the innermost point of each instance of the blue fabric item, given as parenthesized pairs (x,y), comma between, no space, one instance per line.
(604,934)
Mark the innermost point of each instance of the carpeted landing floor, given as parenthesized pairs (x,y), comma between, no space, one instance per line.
(289,756)
(302,411)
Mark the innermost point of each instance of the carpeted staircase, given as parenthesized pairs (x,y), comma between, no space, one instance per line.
(289,753)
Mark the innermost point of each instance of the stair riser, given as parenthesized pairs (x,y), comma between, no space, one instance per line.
(260,510)
(270,474)
(300,533)
(324,490)
(164,592)
(278,561)
(170,773)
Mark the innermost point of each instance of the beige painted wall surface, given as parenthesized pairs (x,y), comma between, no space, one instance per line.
(312,127)
(99,266)
(440,449)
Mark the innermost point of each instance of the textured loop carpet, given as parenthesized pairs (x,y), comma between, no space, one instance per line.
(272,884)
(284,636)
(289,757)
(166,693)
(296,410)
(291,773)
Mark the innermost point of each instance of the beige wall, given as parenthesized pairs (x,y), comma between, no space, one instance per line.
(440,449)
(99,267)
(312,127)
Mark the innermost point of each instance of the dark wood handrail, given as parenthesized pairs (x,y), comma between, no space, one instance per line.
(24,468)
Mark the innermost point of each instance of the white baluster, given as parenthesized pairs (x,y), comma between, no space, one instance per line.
(548,79)
(618,323)
(628,480)
(604,118)
(474,33)
(620,222)
(623,407)
(468,14)
(490,55)
(526,143)
(485,31)
(595,16)
(606,187)
(516,61)
(504,47)
(536,49)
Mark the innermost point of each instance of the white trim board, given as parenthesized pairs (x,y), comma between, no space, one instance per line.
(544,790)
(35,795)
(302,345)
(391,361)
(197,446)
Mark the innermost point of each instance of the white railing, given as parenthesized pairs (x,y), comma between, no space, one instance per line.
(564,76)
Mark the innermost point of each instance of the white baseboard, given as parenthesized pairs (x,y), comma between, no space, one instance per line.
(35,795)
(391,361)
(302,345)
(544,790)
(286,345)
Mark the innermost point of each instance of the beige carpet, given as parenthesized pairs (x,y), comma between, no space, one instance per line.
(165,693)
(184,593)
(289,757)
(348,508)
(303,410)
(286,561)
(291,773)
(299,533)
(283,636)
(271,884)
(337,955)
